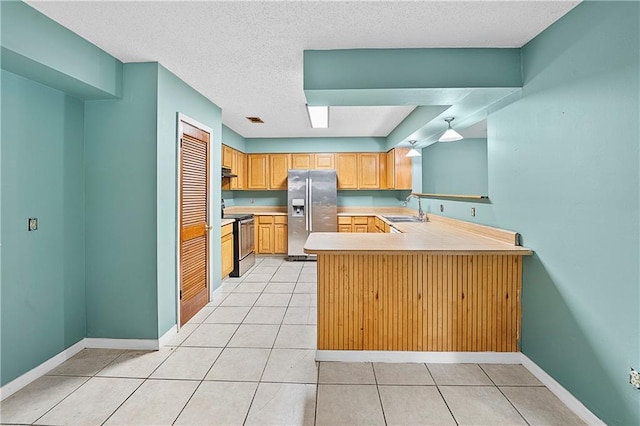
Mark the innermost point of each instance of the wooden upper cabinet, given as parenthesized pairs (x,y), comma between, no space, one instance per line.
(402,166)
(390,180)
(347,170)
(324,161)
(382,170)
(239,168)
(227,156)
(302,161)
(257,171)
(368,170)
(279,169)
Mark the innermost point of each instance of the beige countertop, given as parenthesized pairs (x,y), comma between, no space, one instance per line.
(227,221)
(430,237)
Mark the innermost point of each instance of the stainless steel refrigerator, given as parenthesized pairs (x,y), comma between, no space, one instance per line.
(312,207)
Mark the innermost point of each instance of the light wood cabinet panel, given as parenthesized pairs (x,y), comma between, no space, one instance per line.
(227,156)
(280,238)
(302,161)
(227,250)
(347,170)
(233,182)
(402,169)
(360,228)
(371,224)
(382,170)
(390,170)
(265,239)
(241,170)
(368,170)
(344,228)
(278,170)
(324,161)
(359,220)
(257,171)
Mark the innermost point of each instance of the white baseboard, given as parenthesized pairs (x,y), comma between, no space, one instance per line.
(168,335)
(558,390)
(130,344)
(42,369)
(426,357)
(92,343)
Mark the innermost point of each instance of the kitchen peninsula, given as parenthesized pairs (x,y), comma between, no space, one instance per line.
(444,285)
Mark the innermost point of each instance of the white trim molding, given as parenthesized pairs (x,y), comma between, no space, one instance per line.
(421,357)
(86,343)
(129,344)
(168,335)
(42,369)
(558,390)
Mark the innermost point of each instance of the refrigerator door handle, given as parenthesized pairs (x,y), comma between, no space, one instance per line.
(310,205)
(306,196)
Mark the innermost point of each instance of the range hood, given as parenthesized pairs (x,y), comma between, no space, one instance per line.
(226,172)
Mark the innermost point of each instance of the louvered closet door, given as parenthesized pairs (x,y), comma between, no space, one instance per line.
(194,202)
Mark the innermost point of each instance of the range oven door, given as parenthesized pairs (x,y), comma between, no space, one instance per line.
(246,231)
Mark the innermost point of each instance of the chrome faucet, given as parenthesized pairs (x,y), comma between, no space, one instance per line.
(421,214)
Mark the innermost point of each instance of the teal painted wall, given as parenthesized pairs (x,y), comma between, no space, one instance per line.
(175,96)
(459,167)
(233,139)
(121,204)
(564,171)
(43,295)
(269,145)
(411,68)
(42,50)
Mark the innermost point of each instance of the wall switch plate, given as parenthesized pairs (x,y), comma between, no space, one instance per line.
(473,212)
(33,224)
(634,378)
(441,207)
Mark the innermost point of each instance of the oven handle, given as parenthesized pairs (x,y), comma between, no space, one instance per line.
(242,222)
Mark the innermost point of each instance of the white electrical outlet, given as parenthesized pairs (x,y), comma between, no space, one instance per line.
(634,378)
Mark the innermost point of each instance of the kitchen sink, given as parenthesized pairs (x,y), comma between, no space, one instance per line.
(398,219)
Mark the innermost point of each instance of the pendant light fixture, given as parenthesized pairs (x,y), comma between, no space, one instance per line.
(413,152)
(450,135)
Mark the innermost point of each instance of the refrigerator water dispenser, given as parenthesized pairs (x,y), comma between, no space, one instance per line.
(297,207)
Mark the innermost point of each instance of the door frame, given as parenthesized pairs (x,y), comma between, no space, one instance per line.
(180,117)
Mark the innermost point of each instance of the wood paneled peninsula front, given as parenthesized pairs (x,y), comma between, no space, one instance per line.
(443,285)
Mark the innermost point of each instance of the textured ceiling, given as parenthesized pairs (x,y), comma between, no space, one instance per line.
(246,56)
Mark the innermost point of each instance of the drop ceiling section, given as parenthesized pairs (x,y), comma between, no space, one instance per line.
(246,56)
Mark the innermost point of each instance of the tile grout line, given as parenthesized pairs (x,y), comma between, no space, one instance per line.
(375,379)
(81,385)
(442,396)
(246,417)
(505,396)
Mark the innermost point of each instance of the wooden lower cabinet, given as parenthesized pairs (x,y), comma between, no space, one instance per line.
(227,250)
(271,234)
(419,302)
(361,224)
(280,237)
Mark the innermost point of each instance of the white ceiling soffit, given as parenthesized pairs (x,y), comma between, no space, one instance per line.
(246,56)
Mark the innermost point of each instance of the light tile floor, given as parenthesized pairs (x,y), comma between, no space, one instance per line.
(248,358)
